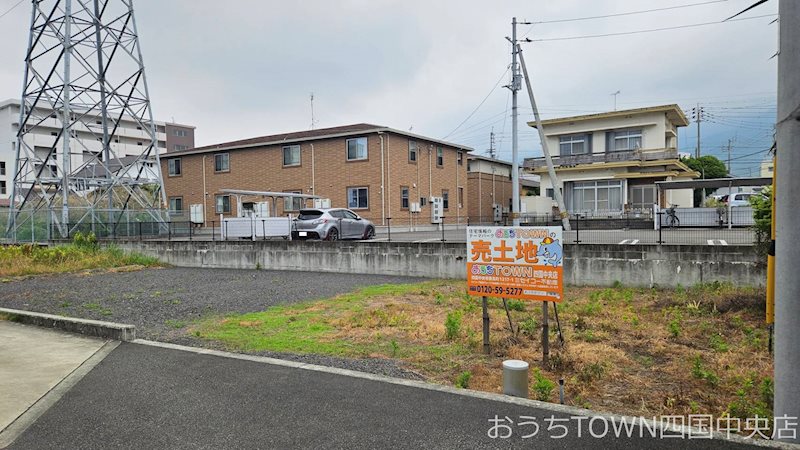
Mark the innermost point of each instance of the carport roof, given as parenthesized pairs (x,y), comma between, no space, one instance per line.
(714,183)
(267,193)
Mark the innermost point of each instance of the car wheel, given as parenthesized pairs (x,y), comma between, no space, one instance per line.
(333,235)
(369,233)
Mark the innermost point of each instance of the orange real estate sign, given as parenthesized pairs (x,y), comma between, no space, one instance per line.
(516,262)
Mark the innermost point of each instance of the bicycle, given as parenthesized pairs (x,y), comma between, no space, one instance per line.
(672,218)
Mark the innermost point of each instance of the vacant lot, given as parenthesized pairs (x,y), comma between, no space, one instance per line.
(701,349)
(26,259)
(634,351)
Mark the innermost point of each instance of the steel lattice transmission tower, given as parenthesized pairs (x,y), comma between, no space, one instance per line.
(84,77)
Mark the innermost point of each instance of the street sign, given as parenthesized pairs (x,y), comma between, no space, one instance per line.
(516,262)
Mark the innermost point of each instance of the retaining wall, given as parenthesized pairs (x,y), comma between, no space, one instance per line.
(589,265)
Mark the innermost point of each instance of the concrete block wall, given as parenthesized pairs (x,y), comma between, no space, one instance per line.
(585,265)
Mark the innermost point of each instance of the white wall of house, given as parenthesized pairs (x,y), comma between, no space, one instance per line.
(483,166)
(657,132)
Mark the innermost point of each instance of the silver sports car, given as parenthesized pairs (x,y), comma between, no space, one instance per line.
(331,224)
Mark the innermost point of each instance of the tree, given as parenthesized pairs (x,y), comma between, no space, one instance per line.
(762,216)
(709,167)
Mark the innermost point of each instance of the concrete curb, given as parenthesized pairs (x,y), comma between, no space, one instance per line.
(94,328)
(552,407)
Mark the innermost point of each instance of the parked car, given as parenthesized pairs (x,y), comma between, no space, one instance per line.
(738,199)
(331,224)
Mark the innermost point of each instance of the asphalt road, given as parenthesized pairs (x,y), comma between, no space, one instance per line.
(147,397)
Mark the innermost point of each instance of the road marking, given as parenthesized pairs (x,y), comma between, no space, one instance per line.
(629,242)
(710,242)
(428,240)
(721,241)
(376,240)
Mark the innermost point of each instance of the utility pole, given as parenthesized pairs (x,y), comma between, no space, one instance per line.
(551,171)
(698,116)
(313,122)
(787,215)
(729,157)
(491,144)
(514,86)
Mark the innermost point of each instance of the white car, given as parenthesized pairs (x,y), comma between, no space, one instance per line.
(738,199)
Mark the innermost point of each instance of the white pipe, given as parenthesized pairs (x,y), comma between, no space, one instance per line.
(430,173)
(383,184)
(389,178)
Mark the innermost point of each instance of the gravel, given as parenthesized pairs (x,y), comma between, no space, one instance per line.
(160,301)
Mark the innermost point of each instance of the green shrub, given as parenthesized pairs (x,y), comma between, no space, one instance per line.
(529,327)
(452,325)
(717,342)
(700,372)
(462,381)
(395,348)
(591,372)
(542,387)
(515,305)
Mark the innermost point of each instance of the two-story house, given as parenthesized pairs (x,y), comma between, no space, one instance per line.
(608,163)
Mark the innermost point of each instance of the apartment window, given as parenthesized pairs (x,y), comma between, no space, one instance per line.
(439,156)
(460,197)
(223,204)
(138,127)
(222,162)
(404,197)
(176,205)
(624,140)
(291,155)
(292,203)
(357,149)
(574,144)
(423,201)
(53,133)
(412,151)
(174,167)
(180,133)
(139,143)
(3,187)
(358,198)
(460,158)
(595,196)
(445,199)
(3,167)
(180,147)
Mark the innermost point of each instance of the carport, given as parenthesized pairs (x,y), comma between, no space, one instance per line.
(270,224)
(715,183)
(272,196)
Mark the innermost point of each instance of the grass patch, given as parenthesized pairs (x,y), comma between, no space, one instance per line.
(695,350)
(21,260)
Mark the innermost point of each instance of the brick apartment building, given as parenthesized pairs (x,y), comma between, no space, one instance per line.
(489,184)
(347,165)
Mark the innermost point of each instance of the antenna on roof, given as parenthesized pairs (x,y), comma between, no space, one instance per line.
(615,94)
(313,122)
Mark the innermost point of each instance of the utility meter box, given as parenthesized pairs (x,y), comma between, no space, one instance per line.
(196,213)
(497,211)
(437,209)
(322,203)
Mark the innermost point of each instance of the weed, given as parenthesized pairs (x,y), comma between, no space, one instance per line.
(674,325)
(700,372)
(439,298)
(717,342)
(258,266)
(587,336)
(542,387)
(462,381)
(767,390)
(617,284)
(65,304)
(175,323)
(515,305)
(591,372)
(470,307)
(395,348)
(452,325)
(529,327)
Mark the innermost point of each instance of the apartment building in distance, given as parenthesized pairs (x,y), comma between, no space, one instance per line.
(128,142)
(489,188)
(608,163)
(379,172)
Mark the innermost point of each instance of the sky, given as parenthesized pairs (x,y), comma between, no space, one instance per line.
(247,68)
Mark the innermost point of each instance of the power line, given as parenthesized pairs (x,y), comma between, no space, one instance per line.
(480,104)
(652,30)
(630,13)
(11,9)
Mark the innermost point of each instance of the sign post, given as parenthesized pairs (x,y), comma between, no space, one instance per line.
(516,262)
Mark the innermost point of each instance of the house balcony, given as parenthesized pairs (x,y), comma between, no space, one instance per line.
(606,157)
